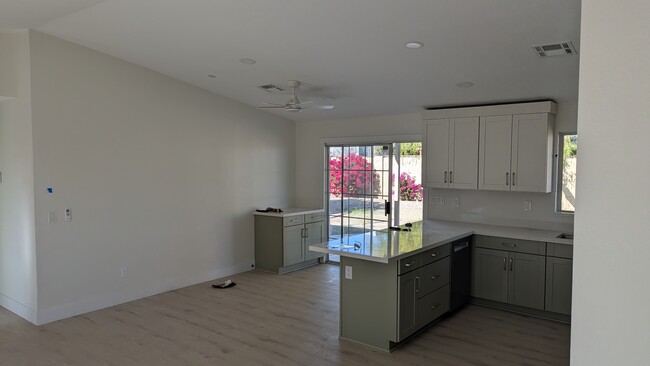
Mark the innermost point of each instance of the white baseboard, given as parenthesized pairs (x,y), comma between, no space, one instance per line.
(18,308)
(100,302)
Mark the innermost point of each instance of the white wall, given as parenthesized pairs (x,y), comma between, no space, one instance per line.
(17,243)
(611,296)
(476,206)
(161,178)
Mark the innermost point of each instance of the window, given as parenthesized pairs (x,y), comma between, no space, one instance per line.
(566,192)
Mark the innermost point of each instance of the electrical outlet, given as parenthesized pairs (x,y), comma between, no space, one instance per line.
(123,272)
(348,272)
(528,206)
(456,201)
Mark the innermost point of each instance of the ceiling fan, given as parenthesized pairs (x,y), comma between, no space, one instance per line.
(294,104)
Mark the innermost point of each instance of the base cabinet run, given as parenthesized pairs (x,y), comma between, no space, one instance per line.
(282,243)
(523,273)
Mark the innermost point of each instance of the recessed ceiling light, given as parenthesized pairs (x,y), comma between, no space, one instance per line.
(465,84)
(247,61)
(212,76)
(414,45)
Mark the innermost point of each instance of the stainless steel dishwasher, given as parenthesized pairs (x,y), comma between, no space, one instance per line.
(461,262)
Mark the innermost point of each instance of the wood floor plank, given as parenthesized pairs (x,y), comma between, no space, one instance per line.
(269,319)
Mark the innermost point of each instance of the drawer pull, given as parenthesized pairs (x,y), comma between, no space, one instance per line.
(435,254)
(435,306)
(434,277)
(293,220)
(409,264)
(509,245)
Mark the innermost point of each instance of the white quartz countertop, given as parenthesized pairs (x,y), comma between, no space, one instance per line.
(291,211)
(383,246)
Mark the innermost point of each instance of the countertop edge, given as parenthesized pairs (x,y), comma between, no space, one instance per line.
(292,211)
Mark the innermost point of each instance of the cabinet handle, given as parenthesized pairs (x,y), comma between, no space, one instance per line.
(451,177)
(445,176)
(507,178)
(302,233)
(434,277)
(409,264)
(504,263)
(510,264)
(509,244)
(513,178)
(435,254)
(435,306)
(417,284)
(306,233)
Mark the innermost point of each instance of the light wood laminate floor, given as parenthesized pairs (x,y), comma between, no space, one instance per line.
(269,320)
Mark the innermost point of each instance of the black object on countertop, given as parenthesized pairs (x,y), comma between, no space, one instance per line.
(270,209)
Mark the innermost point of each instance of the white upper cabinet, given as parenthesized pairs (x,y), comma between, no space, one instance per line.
(495,153)
(532,152)
(516,153)
(500,148)
(451,147)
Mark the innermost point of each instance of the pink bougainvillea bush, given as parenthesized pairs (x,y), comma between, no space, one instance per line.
(352,174)
(408,189)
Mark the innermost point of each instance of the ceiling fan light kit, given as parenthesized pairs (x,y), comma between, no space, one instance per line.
(294,104)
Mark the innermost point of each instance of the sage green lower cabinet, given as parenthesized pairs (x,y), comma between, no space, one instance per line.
(559,276)
(282,243)
(513,278)
(385,303)
(490,274)
(526,280)
(407,305)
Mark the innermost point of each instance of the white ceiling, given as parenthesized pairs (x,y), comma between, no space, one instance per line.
(349,50)
(23,14)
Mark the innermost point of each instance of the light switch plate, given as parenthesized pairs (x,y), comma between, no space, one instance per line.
(348,272)
(51,217)
(436,200)
(456,202)
(68,215)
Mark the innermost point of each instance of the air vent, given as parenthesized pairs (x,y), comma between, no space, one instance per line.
(554,49)
(272,88)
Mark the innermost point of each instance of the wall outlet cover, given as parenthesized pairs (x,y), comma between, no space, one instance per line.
(348,272)
(528,206)
(436,200)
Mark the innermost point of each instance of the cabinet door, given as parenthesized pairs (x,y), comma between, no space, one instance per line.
(526,280)
(407,305)
(292,245)
(532,144)
(559,276)
(315,234)
(437,153)
(490,274)
(463,153)
(494,154)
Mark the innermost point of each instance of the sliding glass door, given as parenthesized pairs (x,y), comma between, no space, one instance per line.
(358,188)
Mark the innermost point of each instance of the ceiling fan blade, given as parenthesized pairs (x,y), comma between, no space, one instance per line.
(274,104)
(272,107)
(327,107)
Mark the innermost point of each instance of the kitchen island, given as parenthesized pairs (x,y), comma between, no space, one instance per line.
(395,283)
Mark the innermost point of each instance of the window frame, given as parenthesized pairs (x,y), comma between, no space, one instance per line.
(559,173)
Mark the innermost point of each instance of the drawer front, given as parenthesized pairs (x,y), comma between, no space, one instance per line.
(434,254)
(559,250)
(511,245)
(293,220)
(433,276)
(315,217)
(433,306)
(408,264)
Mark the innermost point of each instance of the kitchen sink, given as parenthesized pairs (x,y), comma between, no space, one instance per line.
(565,236)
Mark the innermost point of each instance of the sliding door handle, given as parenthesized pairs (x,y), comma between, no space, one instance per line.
(386,208)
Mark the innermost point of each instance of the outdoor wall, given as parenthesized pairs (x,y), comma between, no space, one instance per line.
(501,208)
(161,177)
(17,242)
(611,298)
